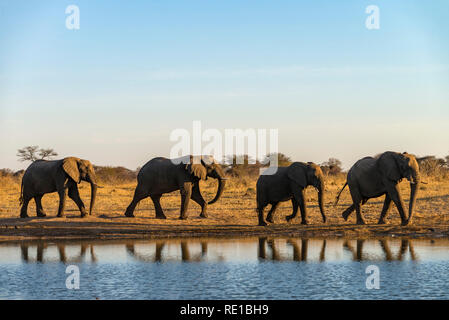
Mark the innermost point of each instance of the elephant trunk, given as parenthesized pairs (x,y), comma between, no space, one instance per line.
(93,196)
(93,192)
(221,185)
(321,200)
(414,187)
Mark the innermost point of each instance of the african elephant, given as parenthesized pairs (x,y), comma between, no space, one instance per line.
(288,183)
(44,176)
(374,177)
(162,175)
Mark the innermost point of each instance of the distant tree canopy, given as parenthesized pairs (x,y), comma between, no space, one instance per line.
(244,165)
(47,153)
(245,160)
(241,165)
(33,153)
(431,165)
(240,160)
(332,166)
(115,174)
(283,160)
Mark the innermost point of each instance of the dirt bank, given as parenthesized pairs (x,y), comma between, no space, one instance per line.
(106,228)
(234,215)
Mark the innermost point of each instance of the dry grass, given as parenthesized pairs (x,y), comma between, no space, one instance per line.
(236,207)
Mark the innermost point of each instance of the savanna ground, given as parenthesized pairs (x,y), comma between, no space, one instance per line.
(233,215)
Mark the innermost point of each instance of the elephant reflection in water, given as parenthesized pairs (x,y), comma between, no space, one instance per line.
(40,253)
(357,253)
(300,249)
(158,257)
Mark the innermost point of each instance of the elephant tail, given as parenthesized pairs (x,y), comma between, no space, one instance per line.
(21,194)
(339,194)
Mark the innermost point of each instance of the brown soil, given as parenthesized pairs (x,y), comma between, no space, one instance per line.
(233,215)
(106,228)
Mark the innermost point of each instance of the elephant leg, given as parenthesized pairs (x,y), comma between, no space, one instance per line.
(62,254)
(157,206)
(304,249)
(260,209)
(186,194)
(275,256)
(296,250)
(198,198)
(383,214)
(24,209)
(158,253)
(348,212)
(203,249)
(272,211)
(323,251)
(62,196)
(40,252)
(75,196)
(185,252)
(357,200)
(394,194)
(139,195)
(24,252)
(300,199)
(261,252)
(358,210)
(39,209)
(295,206)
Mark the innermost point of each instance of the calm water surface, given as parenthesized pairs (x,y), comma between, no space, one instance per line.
(254,268)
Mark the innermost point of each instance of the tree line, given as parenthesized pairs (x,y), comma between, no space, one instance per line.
(236,165)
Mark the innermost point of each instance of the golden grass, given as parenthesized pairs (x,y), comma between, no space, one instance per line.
(237,205)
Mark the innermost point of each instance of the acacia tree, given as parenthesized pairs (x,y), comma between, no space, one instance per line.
(47,153)
(33,153)
(332,166)
(431,165)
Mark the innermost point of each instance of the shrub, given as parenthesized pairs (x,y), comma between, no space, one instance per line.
(114,175)
(433,167)
(331,167)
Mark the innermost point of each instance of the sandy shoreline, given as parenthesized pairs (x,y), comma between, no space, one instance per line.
(234,215)
(72,228)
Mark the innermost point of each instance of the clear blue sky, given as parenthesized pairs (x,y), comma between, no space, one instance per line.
(113,91)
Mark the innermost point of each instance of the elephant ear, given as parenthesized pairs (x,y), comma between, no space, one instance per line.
(70,166)
(197,168)
(390,164)
(297,173)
